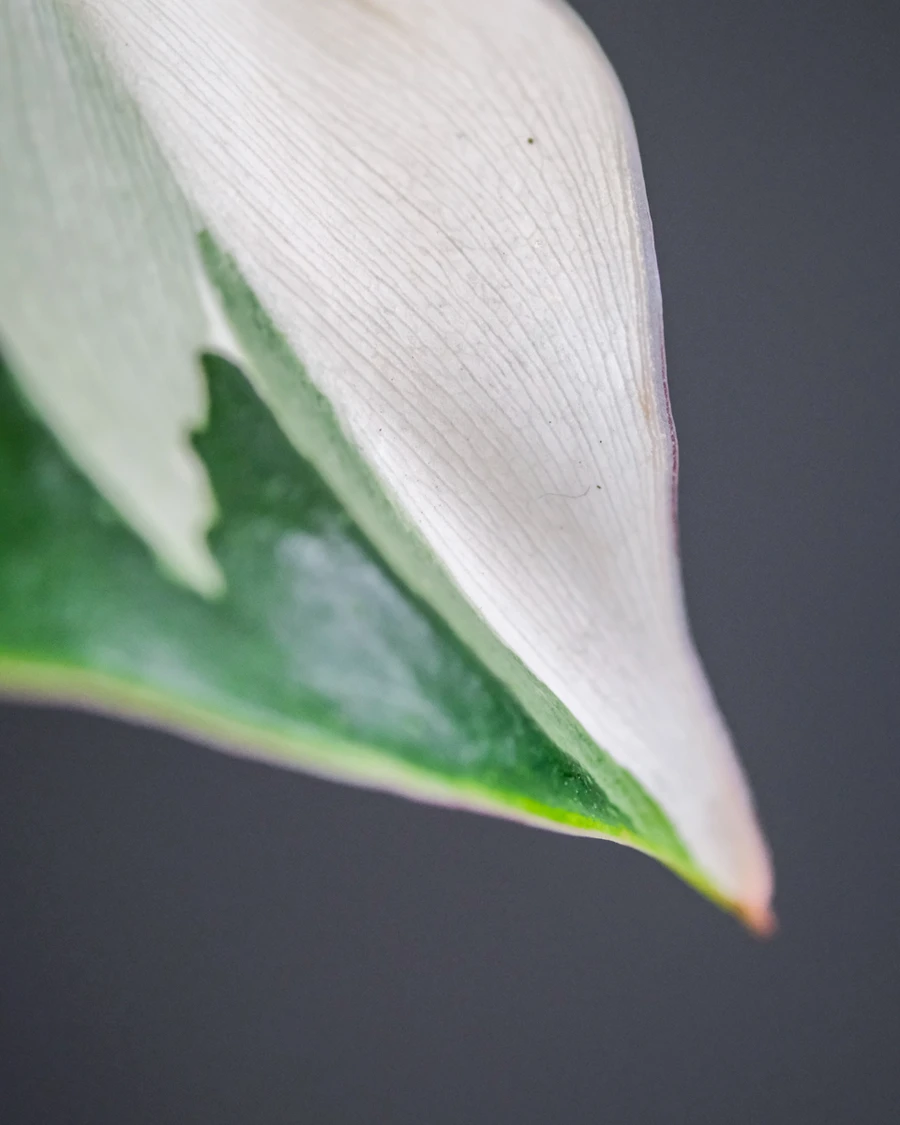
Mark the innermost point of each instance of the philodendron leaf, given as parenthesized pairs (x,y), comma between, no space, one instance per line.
(440,446)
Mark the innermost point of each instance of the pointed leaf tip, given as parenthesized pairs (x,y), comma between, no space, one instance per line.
(760,920)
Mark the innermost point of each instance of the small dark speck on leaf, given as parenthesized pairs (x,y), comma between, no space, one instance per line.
(531,140)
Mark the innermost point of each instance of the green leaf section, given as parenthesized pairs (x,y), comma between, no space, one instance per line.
(316,655)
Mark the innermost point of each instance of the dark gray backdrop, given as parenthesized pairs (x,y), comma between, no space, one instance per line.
(188,938)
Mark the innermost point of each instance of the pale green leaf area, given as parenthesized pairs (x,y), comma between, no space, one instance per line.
(100,313)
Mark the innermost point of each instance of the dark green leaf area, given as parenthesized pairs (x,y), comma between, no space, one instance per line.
(313,641)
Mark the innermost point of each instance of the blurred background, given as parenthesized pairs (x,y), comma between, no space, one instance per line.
(185,937)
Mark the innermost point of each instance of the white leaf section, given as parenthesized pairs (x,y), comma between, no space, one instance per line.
(100,316)
(440,203)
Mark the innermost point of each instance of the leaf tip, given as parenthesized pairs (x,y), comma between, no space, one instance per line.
(759,918)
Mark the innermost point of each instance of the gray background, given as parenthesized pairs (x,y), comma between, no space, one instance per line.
(188,938)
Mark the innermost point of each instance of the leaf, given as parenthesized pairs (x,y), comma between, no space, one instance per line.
(446,521)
